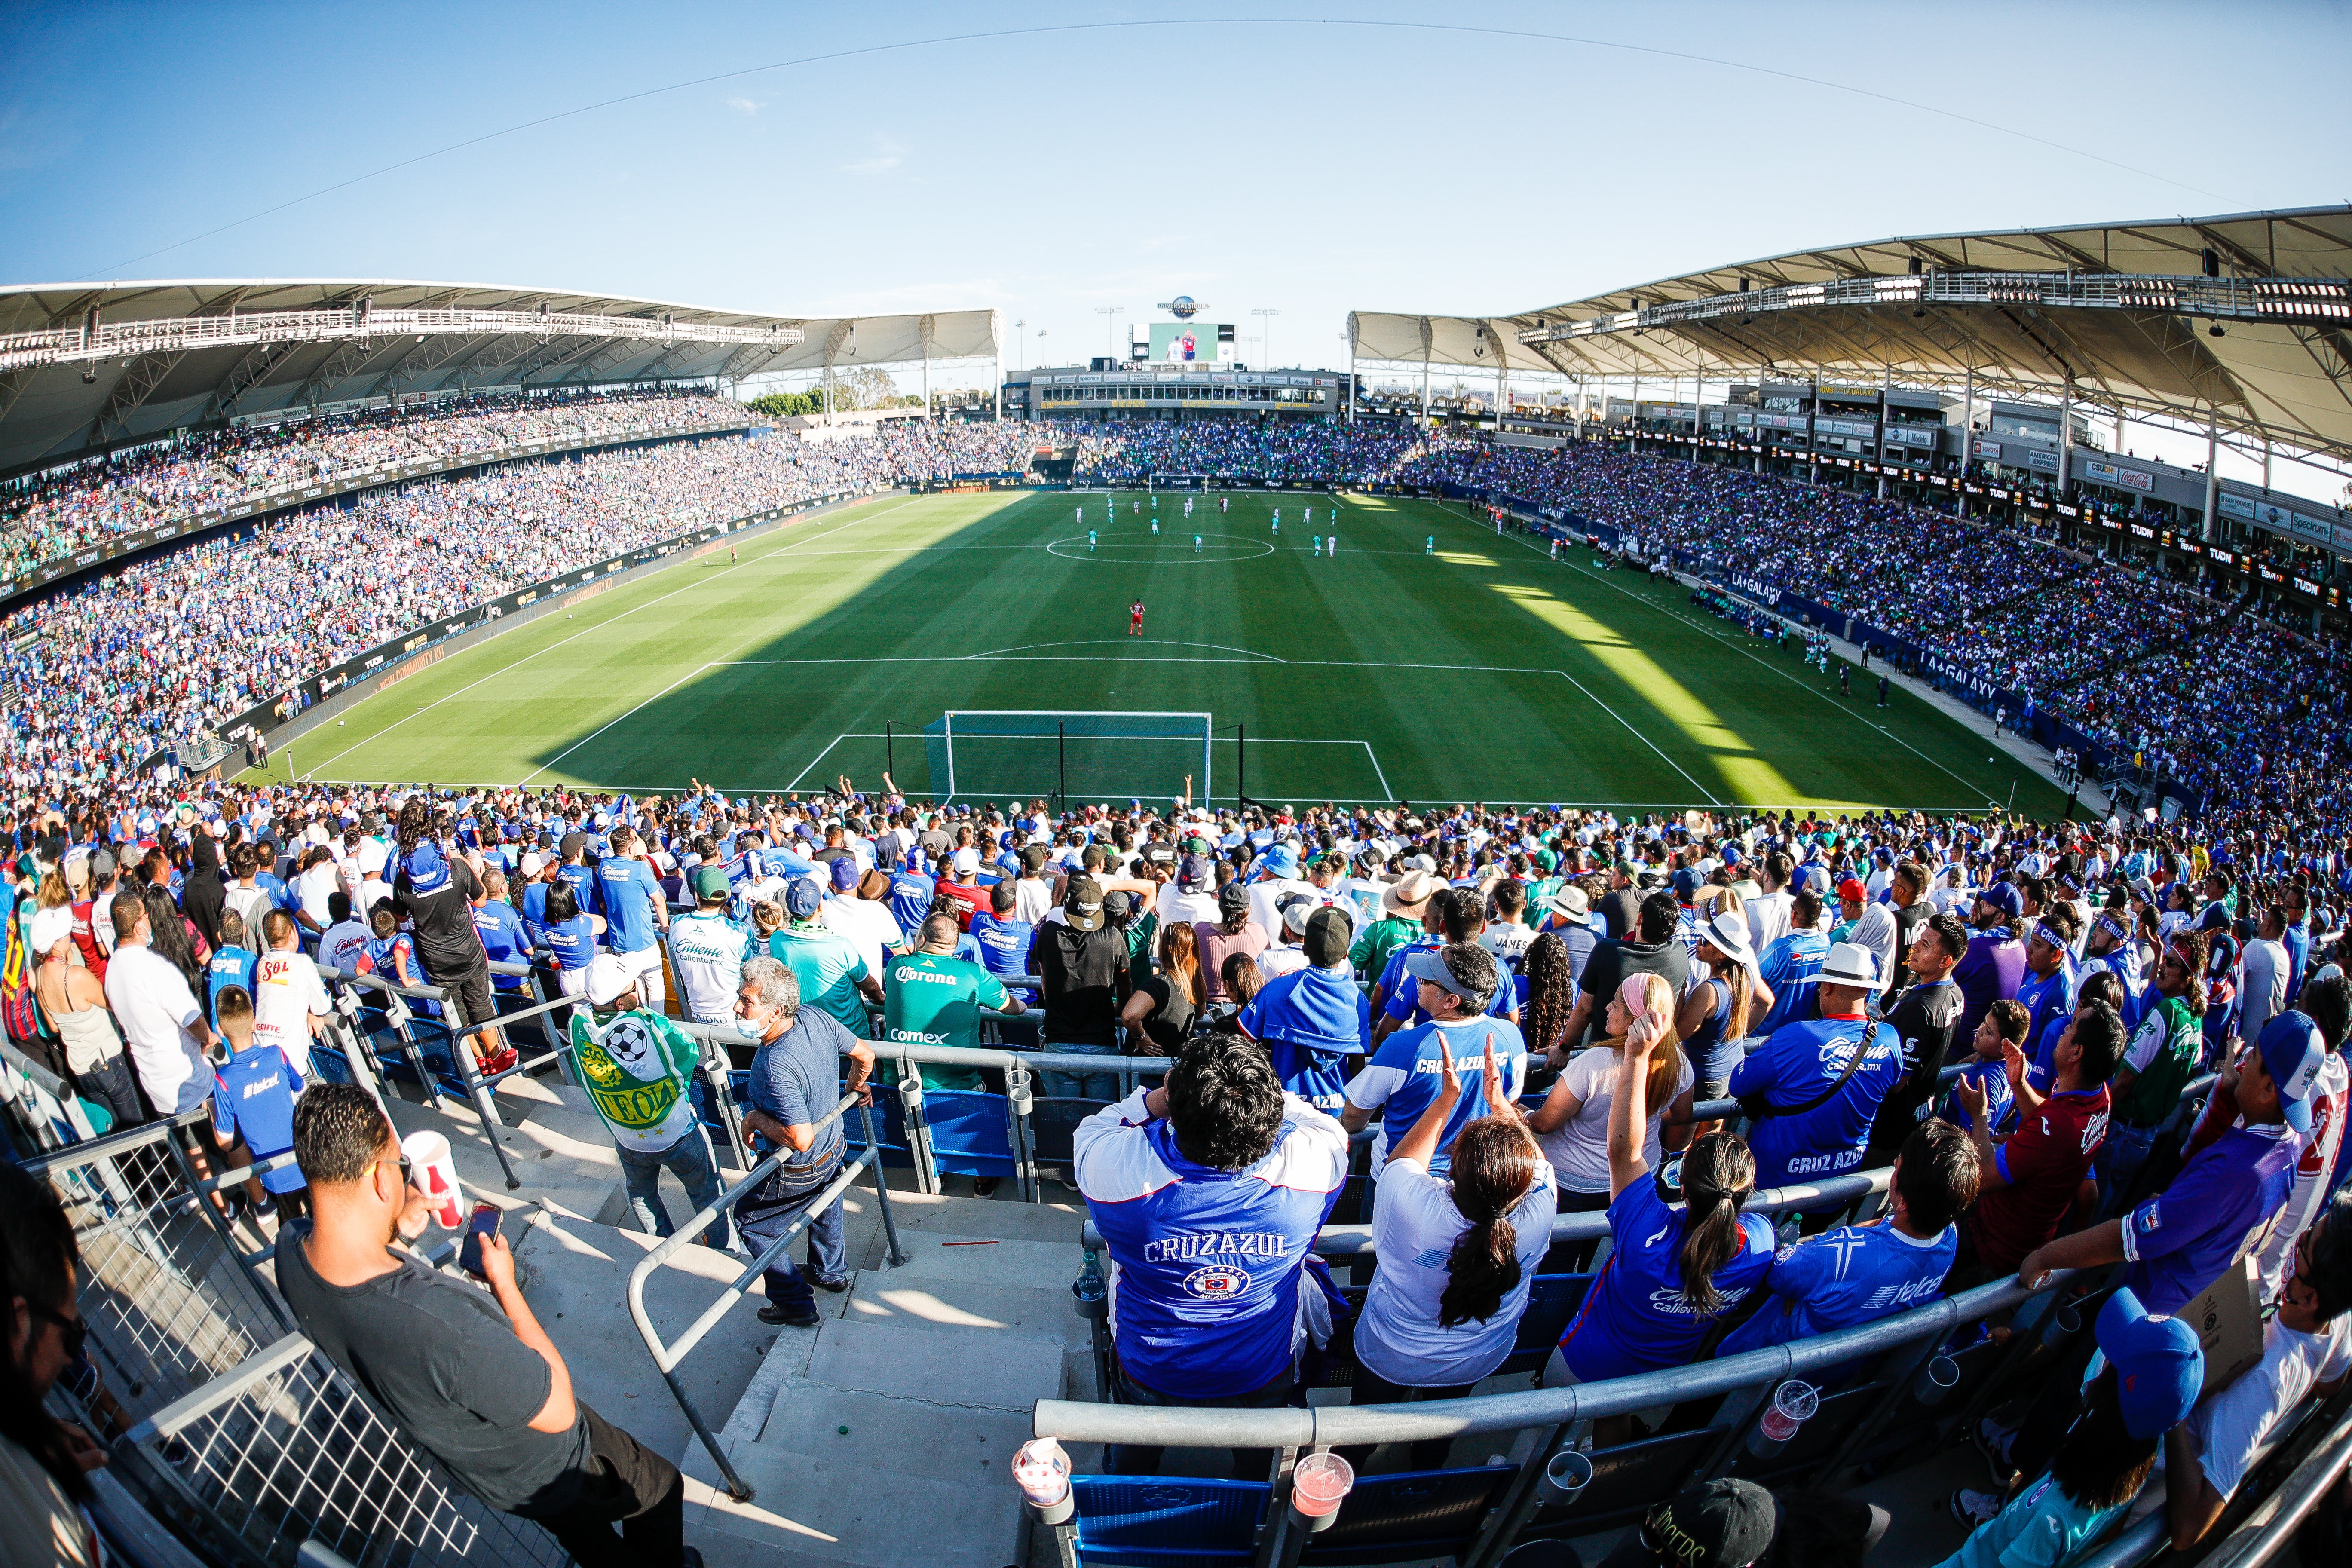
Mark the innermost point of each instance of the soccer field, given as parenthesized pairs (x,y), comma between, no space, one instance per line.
(1483,671)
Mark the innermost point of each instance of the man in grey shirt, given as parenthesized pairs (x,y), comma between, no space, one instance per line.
(472,1376)
(2266,969)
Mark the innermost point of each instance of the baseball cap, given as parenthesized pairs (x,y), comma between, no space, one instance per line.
(1725,1523)
(1296,910)
(804,898)
(2160,1366)
(427,871)
(966,860)
(1192,871)
(1686,885)
(1852,891)
(1327,936)
(2003,897)
(2292,1053)
(532,864)
(709,881)
(1116,904)
(571,844)
(844,875)
(609,974)
(50,927)
(1432,964)
(1082,903)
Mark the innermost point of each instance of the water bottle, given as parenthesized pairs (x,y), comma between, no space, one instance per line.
(1091,1290)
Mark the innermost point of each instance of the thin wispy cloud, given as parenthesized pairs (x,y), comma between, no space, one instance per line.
(886,155)
(746,105)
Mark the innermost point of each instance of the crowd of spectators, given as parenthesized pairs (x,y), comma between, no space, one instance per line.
(55,514)
(1435,974)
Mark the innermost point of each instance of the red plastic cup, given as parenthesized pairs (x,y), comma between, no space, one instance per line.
(435,1173)
(1319,1483)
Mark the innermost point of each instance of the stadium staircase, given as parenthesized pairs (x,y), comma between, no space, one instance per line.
(881,1439)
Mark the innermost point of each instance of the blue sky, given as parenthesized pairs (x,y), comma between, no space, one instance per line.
(1267,160)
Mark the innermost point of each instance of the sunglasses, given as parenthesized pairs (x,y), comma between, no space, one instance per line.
(73,1332)
(407,1171)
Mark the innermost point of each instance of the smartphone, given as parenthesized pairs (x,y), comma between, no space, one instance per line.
(482,1222)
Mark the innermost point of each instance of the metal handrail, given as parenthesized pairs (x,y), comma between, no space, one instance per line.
(666,1356)
(2294,1499)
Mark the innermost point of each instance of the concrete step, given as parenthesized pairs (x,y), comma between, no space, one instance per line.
(943,1303)
(575,1276)
(567,1167)
(1000,1368)
(966,1444)
(985,1260)
(823,1511)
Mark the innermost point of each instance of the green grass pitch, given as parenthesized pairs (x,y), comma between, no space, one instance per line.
(1484,671)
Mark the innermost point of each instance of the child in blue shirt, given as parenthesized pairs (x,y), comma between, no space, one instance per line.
(231,962)
(253,1103)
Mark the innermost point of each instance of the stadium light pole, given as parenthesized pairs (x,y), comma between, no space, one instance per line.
(1266,334)
(1107,313)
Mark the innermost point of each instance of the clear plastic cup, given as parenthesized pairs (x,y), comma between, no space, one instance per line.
(1042,1470)
(1319,1482)
(1793,1405)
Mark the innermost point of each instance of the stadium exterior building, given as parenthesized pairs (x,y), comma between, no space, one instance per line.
(1106,389)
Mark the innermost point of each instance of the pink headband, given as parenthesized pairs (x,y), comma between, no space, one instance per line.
(1633,994)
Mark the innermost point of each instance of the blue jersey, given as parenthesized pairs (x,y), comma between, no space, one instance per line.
(1402,1080)
(1992,1077)
(633,897)
(253,1094)
(1794,1065)
(583,888)
(1311,1020)
(1635,1316)
(504,939)
(910,899)
(230,966)
(1850,1275)
(573,942)
(1789,967)
(2219,1208)
(1004,945)
(2124,962)
(2045,997)
(1206,1264)
(534,910)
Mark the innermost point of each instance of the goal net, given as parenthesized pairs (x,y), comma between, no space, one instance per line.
(1074,756)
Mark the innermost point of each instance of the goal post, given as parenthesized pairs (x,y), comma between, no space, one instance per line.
(1068,754)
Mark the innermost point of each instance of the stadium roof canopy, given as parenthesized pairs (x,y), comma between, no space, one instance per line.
(86,367)
(2121,312)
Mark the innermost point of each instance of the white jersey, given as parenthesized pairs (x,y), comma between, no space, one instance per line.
(287,991)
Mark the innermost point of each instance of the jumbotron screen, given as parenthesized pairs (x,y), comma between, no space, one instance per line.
(1184,342)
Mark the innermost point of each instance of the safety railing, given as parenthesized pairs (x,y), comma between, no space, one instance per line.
(668,1354)
(1900,1344)
(224,1424)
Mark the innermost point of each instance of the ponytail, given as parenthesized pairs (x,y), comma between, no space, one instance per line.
(1493,1165)
(1718,1173)
(1741,981)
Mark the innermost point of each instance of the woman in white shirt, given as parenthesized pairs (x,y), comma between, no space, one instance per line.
(1573,1123)
(1458,1256)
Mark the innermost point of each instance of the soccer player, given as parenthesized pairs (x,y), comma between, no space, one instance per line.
(1224,505)
(1135,619)
(1080,516)
(1429,545)
(1310,519)
(1155,524)
(1318,546)
(1196,544)
(1277,522)
(1138,508)
(1332,546)
(1090,541)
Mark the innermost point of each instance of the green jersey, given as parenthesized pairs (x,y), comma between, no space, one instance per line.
(1370,956)
(2164,1051)
(930,999)
(639,1068)
(829,967)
